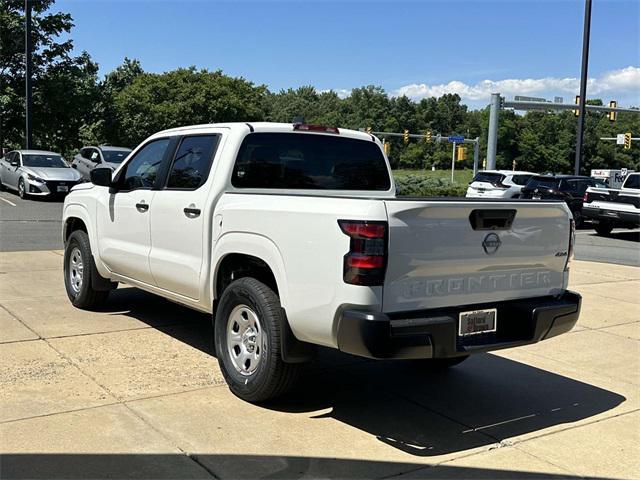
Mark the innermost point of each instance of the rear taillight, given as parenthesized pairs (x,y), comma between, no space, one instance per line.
(585,199)
(572,241)
(366,261)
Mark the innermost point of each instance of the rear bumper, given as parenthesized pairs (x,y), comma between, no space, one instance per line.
(615,216)
(434,333)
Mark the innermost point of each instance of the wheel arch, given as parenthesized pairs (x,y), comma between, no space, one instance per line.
(248,252)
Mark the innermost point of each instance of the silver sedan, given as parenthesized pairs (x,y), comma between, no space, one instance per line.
(37,173)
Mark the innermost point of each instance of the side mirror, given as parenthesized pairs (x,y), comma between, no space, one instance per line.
(101,177)
(14,163)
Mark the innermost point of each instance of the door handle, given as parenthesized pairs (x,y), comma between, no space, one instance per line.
(191,211)
(142,206)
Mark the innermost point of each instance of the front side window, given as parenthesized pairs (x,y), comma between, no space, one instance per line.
(142,171)
(192,162)
(309,161)
(543,182)
(43,161)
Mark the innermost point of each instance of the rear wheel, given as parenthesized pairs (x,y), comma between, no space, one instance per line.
(604,228)
(78,271)
(577,218)
(248,325)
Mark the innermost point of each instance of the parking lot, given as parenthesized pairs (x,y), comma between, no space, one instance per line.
(135,391)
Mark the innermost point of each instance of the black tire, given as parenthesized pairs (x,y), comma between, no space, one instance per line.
(82,296)
(604,228)
(440,364)
(22,189)
(577,218)
(272,377)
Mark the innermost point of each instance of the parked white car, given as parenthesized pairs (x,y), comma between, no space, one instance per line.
(498,184)
(89,158)
(37,173)
(610,208)
(292,236)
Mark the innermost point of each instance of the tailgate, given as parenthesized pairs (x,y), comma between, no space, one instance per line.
(445,253)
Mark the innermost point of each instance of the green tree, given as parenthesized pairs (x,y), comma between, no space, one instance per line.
(64,86)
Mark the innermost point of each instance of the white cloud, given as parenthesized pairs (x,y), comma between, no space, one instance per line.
(341,92)
(625,80)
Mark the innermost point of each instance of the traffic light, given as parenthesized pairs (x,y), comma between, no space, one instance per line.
(405,136)
(387,148)
(427,136)
(577,102)
(627,141)
(369,130)
(461,153)
(612,115)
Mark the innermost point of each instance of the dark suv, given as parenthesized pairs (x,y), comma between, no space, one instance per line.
(570,188)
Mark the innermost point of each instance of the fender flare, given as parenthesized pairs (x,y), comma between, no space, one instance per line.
(256,245)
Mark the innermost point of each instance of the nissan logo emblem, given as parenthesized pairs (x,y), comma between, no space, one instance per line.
(491,244)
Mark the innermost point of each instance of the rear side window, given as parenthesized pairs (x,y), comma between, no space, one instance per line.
(488,177)
(192,162)
(543,182)
(521,179)
(309,161)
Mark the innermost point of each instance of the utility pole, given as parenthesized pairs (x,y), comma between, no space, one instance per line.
(583,83)
(492,139)
(28,74)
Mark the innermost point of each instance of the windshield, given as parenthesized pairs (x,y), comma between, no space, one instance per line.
(310,161)
(115,156)
(543,182)
(488,177)
(43,161)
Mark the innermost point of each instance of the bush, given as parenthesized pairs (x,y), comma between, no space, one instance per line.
(421,186)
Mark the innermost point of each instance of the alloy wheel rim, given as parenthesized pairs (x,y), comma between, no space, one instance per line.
(76,270)
(245,340)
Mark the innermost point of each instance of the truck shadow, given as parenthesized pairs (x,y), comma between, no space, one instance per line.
(181,466)
(485,400)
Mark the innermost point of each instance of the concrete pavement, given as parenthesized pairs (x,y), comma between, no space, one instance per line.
(134,391)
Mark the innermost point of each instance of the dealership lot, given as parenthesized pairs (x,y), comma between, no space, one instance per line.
(135,390)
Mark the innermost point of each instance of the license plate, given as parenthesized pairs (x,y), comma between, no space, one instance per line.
(63,188)
(536,197)
(477,321)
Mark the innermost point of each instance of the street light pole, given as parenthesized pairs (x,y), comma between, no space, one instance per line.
(28,74)
(583,84)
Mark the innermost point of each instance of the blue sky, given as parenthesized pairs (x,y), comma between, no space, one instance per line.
(419,48)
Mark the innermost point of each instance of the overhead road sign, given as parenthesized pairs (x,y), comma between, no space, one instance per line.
(455,139)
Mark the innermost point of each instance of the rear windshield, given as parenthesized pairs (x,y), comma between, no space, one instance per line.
(543,182)
(488,177)
(115,156)
(521,179)
(309,161)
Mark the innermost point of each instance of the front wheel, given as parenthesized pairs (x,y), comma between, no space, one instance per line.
(22,190)
(78,271)
(577,218)
(248,326)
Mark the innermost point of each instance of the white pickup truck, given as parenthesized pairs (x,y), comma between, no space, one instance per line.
(292,236)
(611,208)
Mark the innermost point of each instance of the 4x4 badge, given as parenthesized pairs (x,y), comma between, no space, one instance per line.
(491,243)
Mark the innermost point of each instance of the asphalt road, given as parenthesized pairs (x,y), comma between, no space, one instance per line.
(36,225)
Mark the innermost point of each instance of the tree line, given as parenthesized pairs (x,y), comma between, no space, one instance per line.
(73,107)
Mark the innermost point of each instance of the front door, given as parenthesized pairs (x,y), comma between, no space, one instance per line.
(123,216)
(180,225)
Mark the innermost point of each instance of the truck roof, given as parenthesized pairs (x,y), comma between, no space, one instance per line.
(260,127)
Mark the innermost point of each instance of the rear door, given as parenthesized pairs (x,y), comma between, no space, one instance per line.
(179,224)
(451,253)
